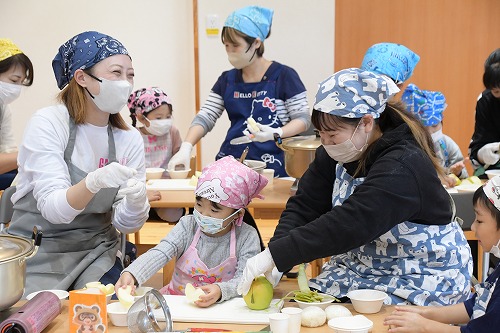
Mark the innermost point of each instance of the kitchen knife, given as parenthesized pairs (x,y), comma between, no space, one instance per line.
(241,140)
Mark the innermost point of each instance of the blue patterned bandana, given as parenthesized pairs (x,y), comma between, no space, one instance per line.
(394,60)
(427,105)
(253,21)
(81,52)
(353,92)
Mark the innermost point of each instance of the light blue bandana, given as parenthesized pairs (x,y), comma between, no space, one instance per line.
(81,52)
(394,60)
(353,92)
(427,105)
(253,21)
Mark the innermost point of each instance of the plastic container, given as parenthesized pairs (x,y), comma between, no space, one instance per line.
(327,300)
(367,300)
(178,174)
(354,324)
(117,313)
(154,173)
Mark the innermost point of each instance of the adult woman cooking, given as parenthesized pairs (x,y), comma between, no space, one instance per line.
(373,201)
(269,92)
(81,169)
(16,71)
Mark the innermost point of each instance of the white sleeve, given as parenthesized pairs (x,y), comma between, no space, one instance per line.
(125,219)
(7,142)
(42,168)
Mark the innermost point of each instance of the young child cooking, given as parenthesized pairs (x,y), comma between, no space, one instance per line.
(211,246)
(153,109)
(428,106)
(481,313)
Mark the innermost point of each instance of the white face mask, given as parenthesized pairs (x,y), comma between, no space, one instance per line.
(346,151)
(113,95)
(159,127)
(495,250)
(242,60)
(9,92)
(211,225)
(436,136)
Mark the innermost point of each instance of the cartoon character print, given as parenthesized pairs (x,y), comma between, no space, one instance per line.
(204,279)
(88,318)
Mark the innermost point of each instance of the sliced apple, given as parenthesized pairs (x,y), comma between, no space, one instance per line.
(193,294)
(253,124)
(94,284)
(125,297)
(107,289)
(197,174)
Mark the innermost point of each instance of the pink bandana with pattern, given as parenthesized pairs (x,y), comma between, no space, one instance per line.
(230,183)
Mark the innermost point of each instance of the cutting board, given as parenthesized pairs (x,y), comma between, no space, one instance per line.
(169,184)
(233,311)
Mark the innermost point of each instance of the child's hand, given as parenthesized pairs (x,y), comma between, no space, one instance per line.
(153,195)
(126,279)
(407,319)
(212,295)
(457,168)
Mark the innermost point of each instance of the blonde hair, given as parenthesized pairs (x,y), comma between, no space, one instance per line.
(74,98)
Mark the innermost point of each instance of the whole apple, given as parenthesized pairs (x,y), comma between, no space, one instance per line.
(260,294)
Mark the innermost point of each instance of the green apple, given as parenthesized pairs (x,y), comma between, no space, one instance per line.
(260,294)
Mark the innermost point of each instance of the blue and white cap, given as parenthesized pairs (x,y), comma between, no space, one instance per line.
(427,105)
(353,93)
(253,21)
(394,60)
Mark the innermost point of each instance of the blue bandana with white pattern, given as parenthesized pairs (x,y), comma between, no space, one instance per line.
(253,21)
(427,105)
(83,51)
(353,93)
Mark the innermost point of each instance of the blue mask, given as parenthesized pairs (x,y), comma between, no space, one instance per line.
(211,225)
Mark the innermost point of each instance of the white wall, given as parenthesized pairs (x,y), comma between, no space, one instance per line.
(159,38)
(302,37)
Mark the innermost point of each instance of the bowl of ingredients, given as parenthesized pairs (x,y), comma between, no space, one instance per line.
(354,324)
(367,300)
(178,174)
(62,294)
(117,313)
(108,290)
(255,165)
(492,173)
(154,173)
(321,300)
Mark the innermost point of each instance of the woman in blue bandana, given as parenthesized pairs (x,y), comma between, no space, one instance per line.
(428,106)
(270,93)
(371,200)
(81,169)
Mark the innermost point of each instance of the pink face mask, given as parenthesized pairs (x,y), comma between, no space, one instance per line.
(230,184)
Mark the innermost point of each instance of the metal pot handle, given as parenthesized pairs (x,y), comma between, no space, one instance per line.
(37,240)
(279,142)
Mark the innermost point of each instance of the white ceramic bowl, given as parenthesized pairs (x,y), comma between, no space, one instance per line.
(327,300)
(62,294)
(492,173)
(117,313)
(154,173)
(258,166)
(178,174)
(139,292)
(467,187)
(367,300)
(354,324)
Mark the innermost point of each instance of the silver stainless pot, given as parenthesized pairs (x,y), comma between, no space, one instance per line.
(13,254)
(299,152)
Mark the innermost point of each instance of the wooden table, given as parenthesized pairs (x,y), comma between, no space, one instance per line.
(61,323)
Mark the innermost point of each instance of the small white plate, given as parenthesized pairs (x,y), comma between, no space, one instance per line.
(62,294)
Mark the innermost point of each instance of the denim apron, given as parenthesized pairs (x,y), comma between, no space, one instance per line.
(412,263)
(256,100)
(191,269)
(70,254)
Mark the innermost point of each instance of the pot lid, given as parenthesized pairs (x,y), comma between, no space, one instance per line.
(12,247)
(309,142)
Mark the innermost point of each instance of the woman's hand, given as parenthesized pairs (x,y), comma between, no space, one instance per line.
(212,295)
(126,279)
(154,195)
(109,176)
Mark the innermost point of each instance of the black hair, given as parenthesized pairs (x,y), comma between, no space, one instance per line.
(19,59)
(230,34)
(480,198)
(491,76)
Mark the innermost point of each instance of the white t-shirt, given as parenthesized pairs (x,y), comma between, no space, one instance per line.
(7,142)
(42,168)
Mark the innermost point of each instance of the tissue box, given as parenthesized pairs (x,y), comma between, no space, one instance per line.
(87,311)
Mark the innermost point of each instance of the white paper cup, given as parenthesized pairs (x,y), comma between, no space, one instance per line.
(278,322)
(294,320)
(269,174)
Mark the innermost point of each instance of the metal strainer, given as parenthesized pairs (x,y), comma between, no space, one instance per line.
(141,317)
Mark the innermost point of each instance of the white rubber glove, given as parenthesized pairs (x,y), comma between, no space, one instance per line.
(183,156)
(488,154)
(135,195)
(266,133)
(260,264)
(111,175)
